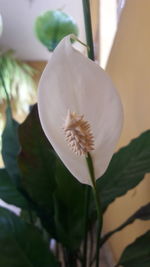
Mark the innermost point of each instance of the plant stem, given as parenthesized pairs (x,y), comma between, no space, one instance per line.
(99,224)
(88,28)
(89,40)
(97,202)
(87,201)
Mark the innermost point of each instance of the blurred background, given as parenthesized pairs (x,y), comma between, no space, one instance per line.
(122,46)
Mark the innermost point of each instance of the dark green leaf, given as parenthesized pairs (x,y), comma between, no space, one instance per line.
(137,254)
(37,163)
(29,216)
(22,245)
(58,195)
(126,170)
(69,207)
(36,160)
(11,147)
(8,191)
(142,214)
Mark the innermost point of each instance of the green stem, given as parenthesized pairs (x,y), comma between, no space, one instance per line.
(88,28)
(87,201)
(89,39)
(97,202)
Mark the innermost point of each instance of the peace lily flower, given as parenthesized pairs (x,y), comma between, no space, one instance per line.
(80,111)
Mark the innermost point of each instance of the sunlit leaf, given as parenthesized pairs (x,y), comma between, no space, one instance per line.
(18,79)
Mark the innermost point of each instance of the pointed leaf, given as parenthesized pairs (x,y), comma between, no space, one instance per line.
(11,147)
(137,254)
(36,160)
(8,191)
(51,187)
(22,245)
(126,169)
(37,163)
(143,213)
(69,207)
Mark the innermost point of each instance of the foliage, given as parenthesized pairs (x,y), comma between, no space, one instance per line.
(137,254)
(17,77)
(47,190)
(52,26)
(54,205)
(11,147)
(142,214)
(126,169)
(9,192)
(22,244)
(47,180)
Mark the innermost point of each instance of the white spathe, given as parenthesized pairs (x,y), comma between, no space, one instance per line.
(73,82)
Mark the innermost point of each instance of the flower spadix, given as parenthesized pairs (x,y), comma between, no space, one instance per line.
(78,134)
(80,111)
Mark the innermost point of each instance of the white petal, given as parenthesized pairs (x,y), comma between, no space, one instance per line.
(71,81)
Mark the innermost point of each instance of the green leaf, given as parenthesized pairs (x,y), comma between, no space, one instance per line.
(37,164)
(21,244)
(36,160)
(11,147)
(8,191)
(69,208)
(59,197)
(15,75)
(142,214)
(52,26)
(126,170)
(137,254)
